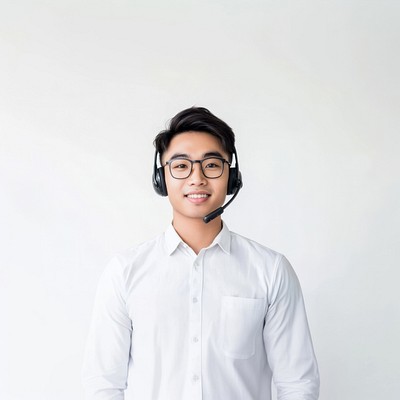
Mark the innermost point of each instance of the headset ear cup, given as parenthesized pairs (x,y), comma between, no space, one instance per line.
(239,181)
(235,180)
(159,182)
(232,181)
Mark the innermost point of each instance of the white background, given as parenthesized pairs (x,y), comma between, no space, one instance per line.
(311,89)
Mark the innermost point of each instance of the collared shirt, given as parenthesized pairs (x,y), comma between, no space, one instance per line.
(172,325)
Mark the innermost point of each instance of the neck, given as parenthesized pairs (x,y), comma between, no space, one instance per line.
(195,233)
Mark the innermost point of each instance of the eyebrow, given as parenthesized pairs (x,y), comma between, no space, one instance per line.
(209,154)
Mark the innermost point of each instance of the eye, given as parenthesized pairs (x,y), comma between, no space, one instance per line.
(212,165)
(179,166)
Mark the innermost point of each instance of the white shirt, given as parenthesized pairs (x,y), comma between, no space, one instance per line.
(172,325)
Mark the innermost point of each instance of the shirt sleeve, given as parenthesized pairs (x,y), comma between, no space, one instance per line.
(106,359)
(287,338)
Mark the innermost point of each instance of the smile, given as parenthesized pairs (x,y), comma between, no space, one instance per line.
(197,196)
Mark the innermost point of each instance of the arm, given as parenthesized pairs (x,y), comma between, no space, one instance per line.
(287,338)
(105,366)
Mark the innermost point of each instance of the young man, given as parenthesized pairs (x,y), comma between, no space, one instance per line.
(199,313)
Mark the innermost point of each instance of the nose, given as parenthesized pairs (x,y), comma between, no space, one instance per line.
(197,177)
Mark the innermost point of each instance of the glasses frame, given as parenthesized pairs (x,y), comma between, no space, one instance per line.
(194,162)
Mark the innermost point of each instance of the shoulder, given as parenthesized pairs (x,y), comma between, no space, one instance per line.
(256,251)
(260,256)
(123,261)
(273,270)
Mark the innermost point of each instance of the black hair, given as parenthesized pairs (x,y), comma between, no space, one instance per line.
(197,119)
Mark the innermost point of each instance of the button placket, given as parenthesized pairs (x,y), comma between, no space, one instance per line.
(195,327)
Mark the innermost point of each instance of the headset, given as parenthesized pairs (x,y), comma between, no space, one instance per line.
(235,183)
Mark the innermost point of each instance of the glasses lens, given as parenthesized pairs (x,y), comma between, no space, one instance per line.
(212,167)
(180,169)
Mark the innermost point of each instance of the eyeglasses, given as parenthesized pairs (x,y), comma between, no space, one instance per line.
(181,168)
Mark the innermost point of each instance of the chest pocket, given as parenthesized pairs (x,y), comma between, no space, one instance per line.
(241,321)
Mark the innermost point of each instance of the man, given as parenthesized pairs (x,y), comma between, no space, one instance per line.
(199,313)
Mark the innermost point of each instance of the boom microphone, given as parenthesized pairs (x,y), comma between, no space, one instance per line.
(214,214)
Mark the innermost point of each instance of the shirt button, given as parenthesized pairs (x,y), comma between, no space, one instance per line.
(194,300)
(195,339)
(195,378)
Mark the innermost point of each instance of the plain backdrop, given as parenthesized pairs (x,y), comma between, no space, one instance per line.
(311,89)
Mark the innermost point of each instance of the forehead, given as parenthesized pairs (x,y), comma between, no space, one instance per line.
(194,145)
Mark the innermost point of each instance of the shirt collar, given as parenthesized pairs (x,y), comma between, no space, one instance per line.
(223,239)
(173,240)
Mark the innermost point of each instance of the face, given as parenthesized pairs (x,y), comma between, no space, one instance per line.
(195,196)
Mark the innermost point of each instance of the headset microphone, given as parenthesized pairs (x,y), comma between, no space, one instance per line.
(220,210)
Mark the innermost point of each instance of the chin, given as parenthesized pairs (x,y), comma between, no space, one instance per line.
(194,214)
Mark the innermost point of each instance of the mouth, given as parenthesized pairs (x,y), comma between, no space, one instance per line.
(197,195)
(197,198)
